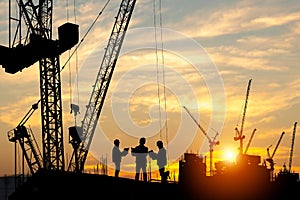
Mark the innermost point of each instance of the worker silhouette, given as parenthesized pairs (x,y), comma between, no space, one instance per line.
(117,155)
(140,152)
(161,159)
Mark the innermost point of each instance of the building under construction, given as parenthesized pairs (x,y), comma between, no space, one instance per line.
(247,179)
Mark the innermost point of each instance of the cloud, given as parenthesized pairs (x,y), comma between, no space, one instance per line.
(236,18)
(239,58)
(4,23)
(269,21)
(15,111)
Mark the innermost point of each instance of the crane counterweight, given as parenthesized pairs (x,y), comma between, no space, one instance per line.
(22,56)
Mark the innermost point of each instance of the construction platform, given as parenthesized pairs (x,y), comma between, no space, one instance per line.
(66,185)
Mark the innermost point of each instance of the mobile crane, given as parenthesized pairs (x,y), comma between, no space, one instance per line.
(81,136)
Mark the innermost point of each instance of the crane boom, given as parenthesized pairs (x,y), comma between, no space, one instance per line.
(276,147)
(270,158)
(240,135)
(81,137)
(250,140)
(201,128)
(292,146)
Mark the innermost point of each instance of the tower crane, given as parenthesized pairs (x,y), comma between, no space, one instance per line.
(27,142)
(270,157)
(286,175)
(34,20)
(81,137)
(292,147)
(250,140)
(239,133)
(212,142)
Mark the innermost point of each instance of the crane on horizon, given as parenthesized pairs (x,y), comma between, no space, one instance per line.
(250,140)
(239,133)
(270,157)
(292,147)
(212,142)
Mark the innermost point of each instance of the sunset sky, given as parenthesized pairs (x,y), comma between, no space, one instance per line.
(201,53)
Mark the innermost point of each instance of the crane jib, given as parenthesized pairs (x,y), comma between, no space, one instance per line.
(81,146)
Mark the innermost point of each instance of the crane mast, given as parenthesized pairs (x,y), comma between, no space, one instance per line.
(81,137)
(38,18)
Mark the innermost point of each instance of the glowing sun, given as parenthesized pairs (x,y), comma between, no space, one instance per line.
(229,155)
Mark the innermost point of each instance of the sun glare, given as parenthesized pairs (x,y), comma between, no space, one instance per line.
(229,155)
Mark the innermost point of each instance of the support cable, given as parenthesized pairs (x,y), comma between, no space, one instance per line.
(69,64)
(89,29)
(76,110)
(76,59)
(157,70)
(163,76)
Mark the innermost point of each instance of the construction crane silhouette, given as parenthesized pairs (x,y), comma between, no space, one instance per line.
(292,147)
(26,139)
(81,136)
(249,142)
(212,142)
(239,133)
(270,157)
(38,46)
(286,175)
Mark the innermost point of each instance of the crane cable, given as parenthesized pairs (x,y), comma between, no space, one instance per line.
(163,72)
(76,60)
(82,39)
(157,70)
(76,52)
(69,64)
